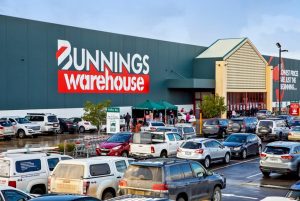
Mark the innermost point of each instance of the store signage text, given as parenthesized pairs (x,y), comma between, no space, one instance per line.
(100,72)
(289,79)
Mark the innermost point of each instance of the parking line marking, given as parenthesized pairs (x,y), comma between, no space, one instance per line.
(234,164)
(273,186)
(239,196)
(253,175)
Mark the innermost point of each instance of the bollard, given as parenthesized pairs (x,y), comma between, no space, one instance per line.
(200,122)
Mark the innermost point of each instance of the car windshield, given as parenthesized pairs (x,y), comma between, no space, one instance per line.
(211,122)
(157,124)
(52,119)
(191,145)
(296,128)
(119,138)
(277,150)
(237,138)
(22,120)
(137,172)
(266,124)
(293,194)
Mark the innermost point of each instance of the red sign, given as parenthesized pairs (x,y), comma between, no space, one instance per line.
(294,109)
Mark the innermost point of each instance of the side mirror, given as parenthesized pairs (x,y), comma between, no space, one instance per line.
(200,174)
(13,123)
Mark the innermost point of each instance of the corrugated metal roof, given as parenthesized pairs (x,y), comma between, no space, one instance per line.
(221,48)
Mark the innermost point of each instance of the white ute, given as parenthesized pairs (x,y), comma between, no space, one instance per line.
(28,169)
(155,144)
(97,177)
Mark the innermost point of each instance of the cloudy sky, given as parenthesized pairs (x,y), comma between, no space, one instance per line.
(198,22)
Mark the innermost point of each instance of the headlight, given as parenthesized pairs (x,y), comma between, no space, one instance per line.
(237,148)
(117,147)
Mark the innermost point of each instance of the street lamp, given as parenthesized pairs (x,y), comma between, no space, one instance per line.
(279,66)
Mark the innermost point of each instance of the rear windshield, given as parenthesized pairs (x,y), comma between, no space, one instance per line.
(163,129)
(69,171)
(4,168)
(119,138)
(277,150)
(22,120)
(52,119)
(212,122)
(157,124)
(136,172)
(191,145)
(5,123)
(296,128)
(262,111)
(266,124)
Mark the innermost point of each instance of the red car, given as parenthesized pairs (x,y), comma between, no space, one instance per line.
(116,145)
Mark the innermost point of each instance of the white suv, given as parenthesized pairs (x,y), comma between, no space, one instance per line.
(28,169)
(97,176)
(82,125)
(272,128)
(23,127)
(48,122)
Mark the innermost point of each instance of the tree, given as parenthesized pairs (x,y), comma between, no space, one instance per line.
(96,113)
(213,106)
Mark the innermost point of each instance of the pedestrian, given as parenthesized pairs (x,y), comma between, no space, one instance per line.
(191,112)
(182,110)
(172,118)
(187,118)
(160,116)
(127,121)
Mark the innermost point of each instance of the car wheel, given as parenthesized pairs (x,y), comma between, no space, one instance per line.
(81,129)
(164,154)
(124,154)
(37,190)
(217,195)
(21,134)
(180,199)
(244,154)
(266,174)
(259,150)
(107,195)
(227,158)
(206,162)
(222,135)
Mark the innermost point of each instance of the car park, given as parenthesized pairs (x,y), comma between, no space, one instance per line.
(294,134)
(280,157)
(263,114)
(56,197)
(12,194)
(6,130)
(65,125)
(176,179)
(47,121)
(82,125)
(272,129)
(28,169)
(23,127)
(181,117)
(155,144)
(242,125)
(152,125)
(243,144)
(215,128)
(116,145)
(97,177)
(205,150)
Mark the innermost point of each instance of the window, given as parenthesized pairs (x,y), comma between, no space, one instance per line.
(171,137)
(121,166)
(52,162)
(198,170)
(36,118)
(177,137)
(297,150)
(140,172)
(13,195)
(52,119)
(174,173)
(223,122)
(69,171)
(99,169)
(277,150)
(214,144)
(66,158)
(188,130)
(191,145)
(212,122)
(187,171)
(5,123)
(28,165)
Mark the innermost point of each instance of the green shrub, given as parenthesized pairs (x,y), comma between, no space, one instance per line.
(69,147)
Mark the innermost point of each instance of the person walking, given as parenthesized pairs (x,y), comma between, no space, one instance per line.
(127,121)
(187,118)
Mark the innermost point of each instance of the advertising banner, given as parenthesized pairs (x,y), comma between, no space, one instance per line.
(294,109)
(113,120)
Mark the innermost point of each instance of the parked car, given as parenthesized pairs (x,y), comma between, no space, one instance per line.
(152,126)
(116,145)
(243,144)
(137,198)
(294,134)
(263,114)
(155,144)
(181,117)
(66,125)
(97,177)
(275,198)
(295,123)
(23,127)
(12,194)
(215,128)
(28,169)
(287,118)
(47,121)
(56,197)
(242,125)
(82,126)
(280,157)
(205,150)
(187,131)
(6,130)
(176,179)
(272,128)
(294,192)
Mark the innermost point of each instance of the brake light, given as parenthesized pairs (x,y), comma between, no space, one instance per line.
(12,184)
(160,187)
(152,150)
(122,183)
(262,155)
(86,185)
(287,157)
(199,151)
(1,127)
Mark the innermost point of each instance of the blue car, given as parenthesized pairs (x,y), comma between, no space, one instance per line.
(51,197)
(294,191)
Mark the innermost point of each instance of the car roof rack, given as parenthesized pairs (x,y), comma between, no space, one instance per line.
(32,113)
(28,150)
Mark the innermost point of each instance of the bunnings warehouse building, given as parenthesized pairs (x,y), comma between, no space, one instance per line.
(54,67)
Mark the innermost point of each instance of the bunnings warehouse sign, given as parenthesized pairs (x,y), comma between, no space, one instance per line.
(100,72)
(113,120)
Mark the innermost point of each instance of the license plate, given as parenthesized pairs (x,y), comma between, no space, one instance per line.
(273,159)
(55,125)
(187,153)
(103,154)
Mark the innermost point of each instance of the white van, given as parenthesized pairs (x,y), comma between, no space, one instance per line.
(28,169)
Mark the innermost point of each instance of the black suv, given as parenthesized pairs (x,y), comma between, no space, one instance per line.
(242,124)
(215,128)
(176,179)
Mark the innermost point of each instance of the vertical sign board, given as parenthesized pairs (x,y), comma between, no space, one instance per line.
(294,109)
(113,120)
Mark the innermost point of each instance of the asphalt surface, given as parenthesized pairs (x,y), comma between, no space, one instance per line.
(244,180)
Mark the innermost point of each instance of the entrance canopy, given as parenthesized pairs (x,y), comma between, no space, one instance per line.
(167,105)
(149,105)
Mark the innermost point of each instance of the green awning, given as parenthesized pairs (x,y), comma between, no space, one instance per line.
(149,105)
(167,105)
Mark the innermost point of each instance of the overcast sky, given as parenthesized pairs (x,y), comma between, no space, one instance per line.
(198,22)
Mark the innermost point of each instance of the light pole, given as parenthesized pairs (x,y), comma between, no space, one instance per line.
(279,66)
